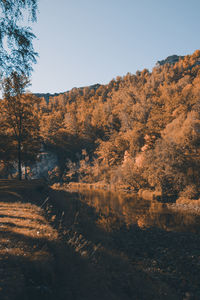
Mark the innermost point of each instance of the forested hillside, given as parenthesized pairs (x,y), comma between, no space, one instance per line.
(141,131)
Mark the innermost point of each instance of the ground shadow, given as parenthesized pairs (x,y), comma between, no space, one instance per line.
(89,261)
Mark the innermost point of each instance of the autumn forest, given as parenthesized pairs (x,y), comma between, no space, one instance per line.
(140,131)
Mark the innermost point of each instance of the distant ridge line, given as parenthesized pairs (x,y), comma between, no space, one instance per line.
(47,96)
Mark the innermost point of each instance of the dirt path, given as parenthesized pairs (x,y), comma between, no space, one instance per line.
(25,257)
(34,261)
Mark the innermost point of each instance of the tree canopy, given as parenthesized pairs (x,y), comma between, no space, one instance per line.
(142,129)
(16,48)
(19,123)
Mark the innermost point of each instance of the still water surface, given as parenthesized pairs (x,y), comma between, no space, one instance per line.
(116,209)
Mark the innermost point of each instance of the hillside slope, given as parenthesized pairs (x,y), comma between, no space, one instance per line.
(141,131)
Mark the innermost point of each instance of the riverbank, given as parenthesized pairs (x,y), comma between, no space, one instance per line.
(35,261)
(53,248)
(95,186)
(190,207)
(180,205)
(166,255)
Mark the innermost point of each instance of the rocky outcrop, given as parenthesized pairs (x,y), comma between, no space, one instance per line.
(169,60)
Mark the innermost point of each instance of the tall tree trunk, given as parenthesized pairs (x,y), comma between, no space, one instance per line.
(19,149)
(19,161)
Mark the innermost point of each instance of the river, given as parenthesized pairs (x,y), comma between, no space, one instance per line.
(117,209)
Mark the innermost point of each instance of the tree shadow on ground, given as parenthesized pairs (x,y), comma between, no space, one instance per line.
(35,268)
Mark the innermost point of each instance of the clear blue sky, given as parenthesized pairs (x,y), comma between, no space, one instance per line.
(83,42)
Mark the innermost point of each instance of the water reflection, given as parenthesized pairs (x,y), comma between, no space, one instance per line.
(118,209)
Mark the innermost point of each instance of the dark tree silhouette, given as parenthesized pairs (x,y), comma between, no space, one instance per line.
(16,48)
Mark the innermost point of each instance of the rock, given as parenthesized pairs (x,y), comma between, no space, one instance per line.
(169,60)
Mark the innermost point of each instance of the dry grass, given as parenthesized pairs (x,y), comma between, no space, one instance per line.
(25,237)
(25,219)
